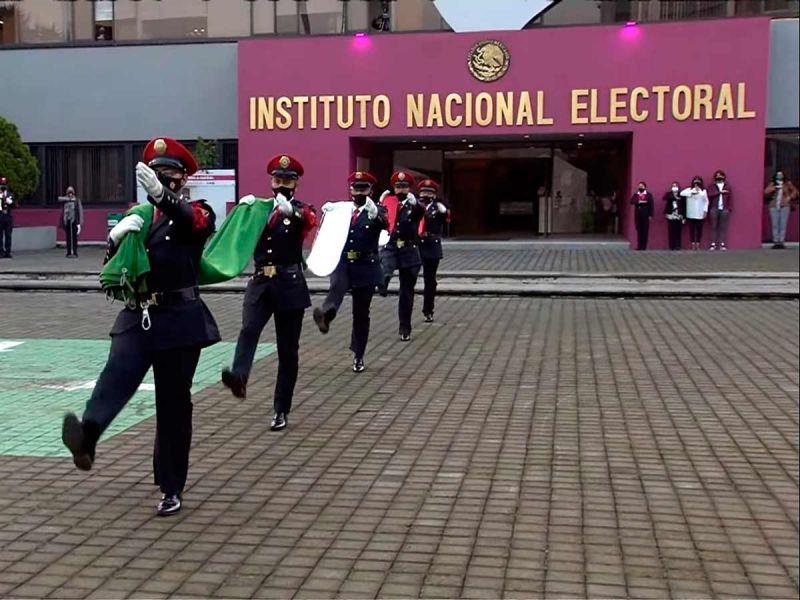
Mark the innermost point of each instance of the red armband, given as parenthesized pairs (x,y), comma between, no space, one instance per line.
(199,217)
(309,219)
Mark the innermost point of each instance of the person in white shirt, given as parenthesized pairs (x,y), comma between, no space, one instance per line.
(696,210)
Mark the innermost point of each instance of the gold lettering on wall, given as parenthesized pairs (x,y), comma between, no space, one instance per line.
(681,103)
(503,109)
(741,103)
(637,94)
(617,104)
(577,105)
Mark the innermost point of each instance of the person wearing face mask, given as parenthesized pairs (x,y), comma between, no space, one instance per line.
(696,210)
(781,197)
(436,215)
(642,201)
(401,253)
(71,219)
(675,211)
(720,204)
(6,218)
(359,268)
(278,287)
(165,323)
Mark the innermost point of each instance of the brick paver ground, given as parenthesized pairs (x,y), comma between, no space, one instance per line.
(509,258)
(516,447)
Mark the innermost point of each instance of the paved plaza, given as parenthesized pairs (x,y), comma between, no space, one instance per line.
(512,258)
(517,447)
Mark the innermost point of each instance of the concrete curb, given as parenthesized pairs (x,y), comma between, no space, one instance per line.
(619,287)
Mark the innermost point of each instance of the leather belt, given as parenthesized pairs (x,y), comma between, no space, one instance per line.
(355,255)
(171,297)
(271,271)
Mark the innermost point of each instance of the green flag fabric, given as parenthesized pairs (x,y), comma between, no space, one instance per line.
(232,247)
(124,275)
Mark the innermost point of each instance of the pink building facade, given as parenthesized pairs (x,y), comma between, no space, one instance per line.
(688,98)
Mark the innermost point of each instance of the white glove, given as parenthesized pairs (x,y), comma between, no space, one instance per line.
(411,199)
(249,200)
(79,229)
(383,195)
(372,210)
(149,181)
(284,205)
(327,207)
(125,226)
(441,207)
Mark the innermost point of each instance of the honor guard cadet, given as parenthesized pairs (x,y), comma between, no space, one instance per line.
(278,287)
(165,328)
(433,222)
(401,252)
(6,218)
(359,267)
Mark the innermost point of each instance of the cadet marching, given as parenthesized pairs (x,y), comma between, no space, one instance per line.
(155,263)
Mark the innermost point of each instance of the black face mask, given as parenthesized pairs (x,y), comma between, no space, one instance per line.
(401,196)
(641,189)
(720,179)
(282,189)
(359,199)
(173,184)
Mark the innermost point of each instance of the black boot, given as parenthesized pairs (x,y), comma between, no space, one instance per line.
(169,505)
(278,422)
(321,321)
(80,439)
(236,383)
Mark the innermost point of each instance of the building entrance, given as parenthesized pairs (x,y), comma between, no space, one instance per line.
(518,187)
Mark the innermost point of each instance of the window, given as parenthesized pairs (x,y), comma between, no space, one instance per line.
(416,15)
(96,172)
(103,20)
(286,16)
(180,19)
(36,22)
(321,16)
(263,17)
(783,152)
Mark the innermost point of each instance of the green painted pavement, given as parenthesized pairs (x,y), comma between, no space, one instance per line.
(41,379)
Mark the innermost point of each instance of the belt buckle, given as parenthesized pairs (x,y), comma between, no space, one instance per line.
(400,243)
(352,254)
(270,271)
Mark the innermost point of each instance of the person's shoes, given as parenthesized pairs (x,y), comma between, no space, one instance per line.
(781,246)
(723,248)
(236,383)
(69,255)
(383,290)
(713,247)
(321,321)
(278,422)
(428,317)
(405,337)
(73,256)
(169,505)
(74,436)
(358,365)
(776,246)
